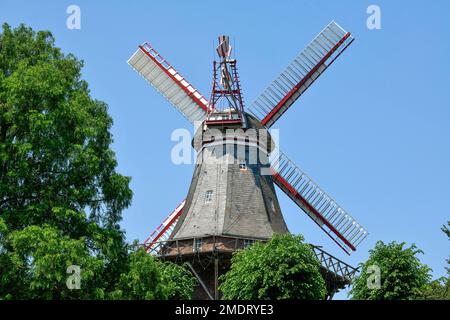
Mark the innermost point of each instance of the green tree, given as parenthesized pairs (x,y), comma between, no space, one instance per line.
(45,254)
(439,289)
(283,268)
(60,195)
(142,280)
(178,281)
(61,198)
(402,275)
(149,278)
(446,230)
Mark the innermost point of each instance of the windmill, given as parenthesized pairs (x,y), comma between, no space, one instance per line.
(232,203)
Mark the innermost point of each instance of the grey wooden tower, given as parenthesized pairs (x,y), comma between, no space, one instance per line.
(232,201)
(228,195)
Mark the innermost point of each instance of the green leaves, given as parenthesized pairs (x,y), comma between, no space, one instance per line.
(54,138)
(446,230)
(60,195)
(143,279)
(438,289)
(61,198)
(178,281)
(283,268)
(43,255)
(148,278)
(402,275)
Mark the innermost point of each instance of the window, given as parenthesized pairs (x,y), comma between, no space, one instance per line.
(248,242)
(197,245)
(242,165)
(208,196)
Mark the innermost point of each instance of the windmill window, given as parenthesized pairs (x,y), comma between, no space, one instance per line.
(248,242)
(197,245)
(208,196)
(243,165)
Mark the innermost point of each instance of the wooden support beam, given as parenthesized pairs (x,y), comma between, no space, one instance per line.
(216,278)
(200,281)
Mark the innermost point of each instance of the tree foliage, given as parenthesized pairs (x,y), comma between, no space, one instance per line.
(42,255)
(148,278)
(60,195)
(61,198)
(142,280)
(179,283)
(439,289)
(402,275)
(54,139)
(446,230)
(283,268)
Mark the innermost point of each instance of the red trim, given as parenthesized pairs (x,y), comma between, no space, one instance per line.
(228,91)
(297,195)
(230,121)
(272,113)
(155,239)
(190,94)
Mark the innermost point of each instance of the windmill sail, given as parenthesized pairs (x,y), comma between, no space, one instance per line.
(169,82)
(309,64)
(317,204)
(163,232)
(228,208)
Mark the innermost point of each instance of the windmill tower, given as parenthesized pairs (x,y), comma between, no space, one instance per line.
(228,194)
(232,200)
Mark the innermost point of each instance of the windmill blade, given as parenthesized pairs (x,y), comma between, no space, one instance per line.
(163,232)
(317,204)
(310,63)
(169,82)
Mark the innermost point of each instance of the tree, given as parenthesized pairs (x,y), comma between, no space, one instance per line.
(446,230)
(283,268)
(61,198)
(402,275)
(142,280)
(60,195)
(149,278)
(439,289)
(44,254)
(179,283)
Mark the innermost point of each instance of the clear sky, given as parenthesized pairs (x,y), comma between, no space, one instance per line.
(373,131)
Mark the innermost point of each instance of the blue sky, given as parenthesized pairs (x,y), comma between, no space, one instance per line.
(373,131)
